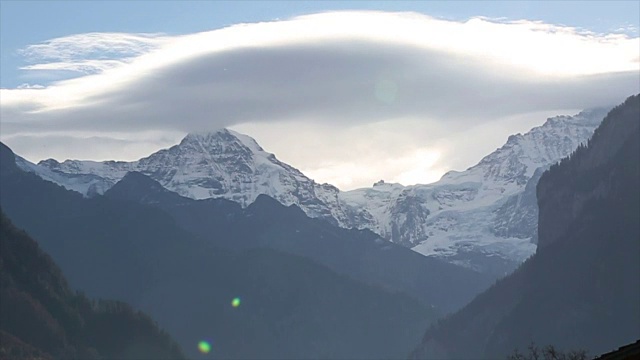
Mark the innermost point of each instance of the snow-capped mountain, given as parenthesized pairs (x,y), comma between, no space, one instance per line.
(484,217)
(219,164)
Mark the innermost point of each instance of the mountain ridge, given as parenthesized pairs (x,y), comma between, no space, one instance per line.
(496,195)
(359,254)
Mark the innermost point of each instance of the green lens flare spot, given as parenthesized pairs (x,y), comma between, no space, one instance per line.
(204,347)
(235,302)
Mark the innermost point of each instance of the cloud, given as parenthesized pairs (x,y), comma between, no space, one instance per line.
(89,53)
(105,146)
(404,87)
(30,86)
(407,151)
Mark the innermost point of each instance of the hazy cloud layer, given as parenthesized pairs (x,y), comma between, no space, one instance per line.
(393,91)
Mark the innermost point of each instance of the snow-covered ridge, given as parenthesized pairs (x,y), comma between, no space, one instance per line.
(487,211)
(218,164)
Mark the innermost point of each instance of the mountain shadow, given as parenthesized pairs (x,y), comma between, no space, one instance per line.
(287,306)
(42,318)
(581,289)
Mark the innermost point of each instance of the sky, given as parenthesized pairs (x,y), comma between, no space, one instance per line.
(348,92)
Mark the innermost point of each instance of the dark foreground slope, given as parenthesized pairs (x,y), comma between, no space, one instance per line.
(290,307)
(582,288)
(359,254)
(40,317)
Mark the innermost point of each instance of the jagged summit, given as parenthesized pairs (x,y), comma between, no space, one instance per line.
(222,136)
(216,164)
(543,145)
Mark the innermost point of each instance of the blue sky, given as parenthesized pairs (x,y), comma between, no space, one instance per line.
(23,23)
(348,96)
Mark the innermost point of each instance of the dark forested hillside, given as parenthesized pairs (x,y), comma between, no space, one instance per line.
(287,307)
(582,288)
(41,317)
(266,223)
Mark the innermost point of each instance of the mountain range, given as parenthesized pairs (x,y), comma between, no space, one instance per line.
(289,306)
(484,218)
(218,240)
(580,290)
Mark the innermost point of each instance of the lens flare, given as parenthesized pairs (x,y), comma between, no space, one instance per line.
(235,302)
(204,347)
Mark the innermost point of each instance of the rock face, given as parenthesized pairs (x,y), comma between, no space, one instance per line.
(484,218)
(580,290)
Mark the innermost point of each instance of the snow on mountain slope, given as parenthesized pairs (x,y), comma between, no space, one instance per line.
(484,217)
(75,175)
(373,204)
(219,164)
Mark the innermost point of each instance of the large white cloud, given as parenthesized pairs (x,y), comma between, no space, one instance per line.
(350,97)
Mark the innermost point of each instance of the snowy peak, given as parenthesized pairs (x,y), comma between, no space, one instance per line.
(223,140)
(517,160)
(491,207)
(223,147)
(486,216)
(217,164)
(222,163)
(214,150)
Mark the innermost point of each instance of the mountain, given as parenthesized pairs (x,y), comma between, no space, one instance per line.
(41,317)
(288,307)
(221,164)
(483,218)
(580,290)
(359,254)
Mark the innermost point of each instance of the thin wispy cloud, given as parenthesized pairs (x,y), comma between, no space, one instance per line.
(89,53)
(330,75)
